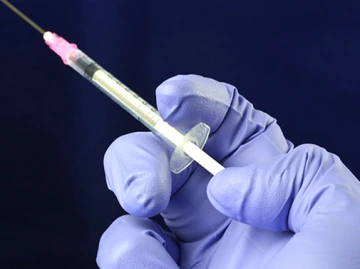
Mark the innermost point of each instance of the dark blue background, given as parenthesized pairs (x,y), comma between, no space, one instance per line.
(296,60)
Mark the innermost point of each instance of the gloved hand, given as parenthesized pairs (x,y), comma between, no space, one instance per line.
(274,206)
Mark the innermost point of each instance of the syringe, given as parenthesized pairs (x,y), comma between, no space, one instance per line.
(187,147)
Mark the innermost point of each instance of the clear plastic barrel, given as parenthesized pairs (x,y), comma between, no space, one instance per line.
(187,148)
(115,89)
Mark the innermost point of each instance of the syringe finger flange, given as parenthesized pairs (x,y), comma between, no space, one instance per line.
(198,135)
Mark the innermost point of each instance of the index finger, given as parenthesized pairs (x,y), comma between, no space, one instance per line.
(185,100)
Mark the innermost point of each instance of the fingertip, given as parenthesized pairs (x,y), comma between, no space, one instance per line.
(137,171)
(205,99)
(146,198)
(132,242)
(226,192)
(252,195)
(122,239)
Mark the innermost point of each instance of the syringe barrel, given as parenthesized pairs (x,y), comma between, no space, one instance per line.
(115,89)
(137,107)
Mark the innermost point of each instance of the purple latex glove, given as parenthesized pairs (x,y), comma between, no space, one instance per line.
(272,207)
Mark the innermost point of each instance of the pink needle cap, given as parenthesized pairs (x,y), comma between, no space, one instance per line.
(60,46)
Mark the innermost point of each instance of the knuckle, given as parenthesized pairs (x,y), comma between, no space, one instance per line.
(312,152)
